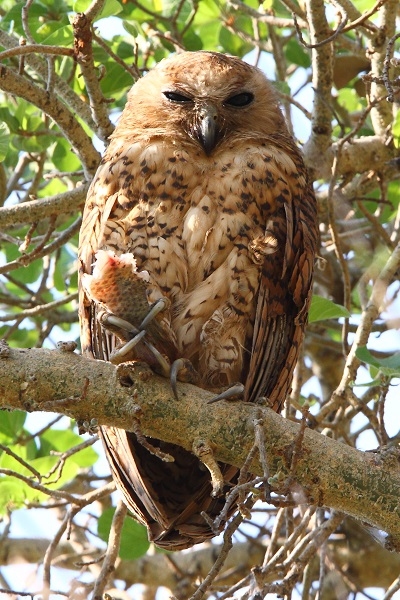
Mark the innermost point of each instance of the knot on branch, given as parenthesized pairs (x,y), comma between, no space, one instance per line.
(82,28)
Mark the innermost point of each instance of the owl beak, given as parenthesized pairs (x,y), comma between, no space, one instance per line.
(207,130)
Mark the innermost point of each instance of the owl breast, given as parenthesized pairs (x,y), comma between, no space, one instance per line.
(193,226)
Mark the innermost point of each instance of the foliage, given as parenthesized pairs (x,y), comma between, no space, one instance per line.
(57,110)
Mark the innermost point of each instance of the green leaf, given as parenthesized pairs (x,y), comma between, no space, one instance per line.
(23,338)
(296,54)
(116,80)
(62,440)
(322,309)
(111,8)
(396,130)
(11,423)
(4,140)
(233,44)
(12,495)
(192,41)
(64,158)
(62,36)
(134,541)
(27,274)
(209,34)
(81,5)
(349,99)
(282,86)
(387,366)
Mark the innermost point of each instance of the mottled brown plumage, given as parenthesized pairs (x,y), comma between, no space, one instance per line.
(204,186)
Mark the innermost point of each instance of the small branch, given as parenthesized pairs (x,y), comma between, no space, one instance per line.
(131,69)
(265,18)
(82,27)
(39,48)
(322,68)
(13,83)
(94,9)
(112,551)
(381,115)
(366,15)
(368,316)
(40,309)
(35,210)
(60,86)
(25,259)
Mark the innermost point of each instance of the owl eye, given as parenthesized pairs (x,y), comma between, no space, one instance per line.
(239,100)
(175,97)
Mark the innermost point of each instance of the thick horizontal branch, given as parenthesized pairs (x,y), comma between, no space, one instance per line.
(37,210)
(328,473)
(358,156)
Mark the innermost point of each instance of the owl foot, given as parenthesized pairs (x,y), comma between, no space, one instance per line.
(182,370)
(230,394)
(124,330)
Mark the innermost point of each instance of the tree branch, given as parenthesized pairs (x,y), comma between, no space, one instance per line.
(35,210)
(369,564)
(328,473)
(61,87)
(13,83)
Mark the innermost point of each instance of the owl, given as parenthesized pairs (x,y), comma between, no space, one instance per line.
(201,215)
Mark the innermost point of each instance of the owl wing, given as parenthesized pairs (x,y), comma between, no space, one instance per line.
(168,498)
(286,280)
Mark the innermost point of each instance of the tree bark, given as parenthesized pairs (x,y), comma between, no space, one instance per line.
(326,472)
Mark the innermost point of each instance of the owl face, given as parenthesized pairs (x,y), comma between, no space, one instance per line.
(205,98)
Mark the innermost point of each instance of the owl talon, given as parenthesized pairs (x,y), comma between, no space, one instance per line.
(115,324)
(163,363)
(182,370)
(229,394)
(173,377)
(126,348)
(160,305)
(124,329)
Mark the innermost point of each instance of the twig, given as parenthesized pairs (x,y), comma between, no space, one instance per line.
(368,316)
(51,549)
(264,18)
(40,309)
(204,453)
(143,441)
(327,40)
(392,589)
(82,28)
(21,461)
(386,66)
(39,48)
(57,243)
(35,210)
(366,15)
(61,87)
(226,547)
(13,83)
(131,69)
(112,551)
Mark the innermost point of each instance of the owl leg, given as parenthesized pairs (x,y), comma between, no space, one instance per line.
(230,394)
